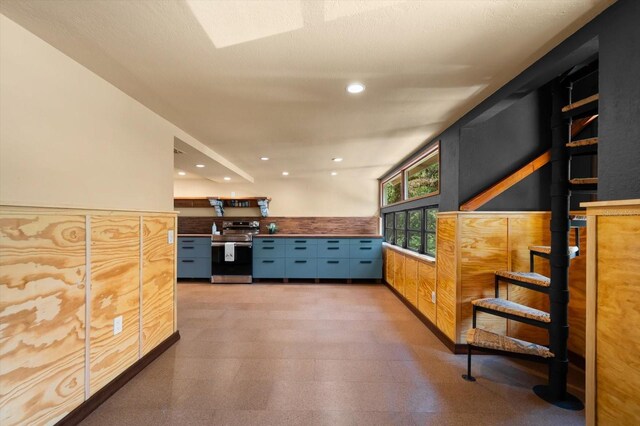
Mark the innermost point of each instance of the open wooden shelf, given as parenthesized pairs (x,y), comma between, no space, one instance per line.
(227,201)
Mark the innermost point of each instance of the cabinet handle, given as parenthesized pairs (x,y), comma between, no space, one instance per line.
(188,241)
(300,241)
(333,261)
(269,241)
(366,241)
(188,248)
(187,261)
(333,241)
(268,248)
(365,261)
(301,261)
(268,261)
(365,248)
(333,248)
(299,248)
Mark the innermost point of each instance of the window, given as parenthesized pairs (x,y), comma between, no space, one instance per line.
(389,233)
(430,215)
(424,177)
(401,228)
(413,229)
(416,179)
(392,190)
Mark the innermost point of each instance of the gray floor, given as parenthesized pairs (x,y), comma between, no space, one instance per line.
(320,355)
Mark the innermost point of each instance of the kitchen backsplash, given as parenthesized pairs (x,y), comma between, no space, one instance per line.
(286,225)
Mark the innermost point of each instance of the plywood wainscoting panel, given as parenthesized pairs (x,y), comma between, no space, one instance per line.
(157,281)
(426,287)
(483,250)
(578,296)
(447,283)
(398,272)
(42,312)
(411,280)
(388,266)
(526,230)
(115,288)
(617,319)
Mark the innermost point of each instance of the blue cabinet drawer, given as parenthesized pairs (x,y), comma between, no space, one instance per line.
(198,267)
(301,268)
(197,241)
(365,251)
(259,241)
(365,268)
(333,248)
(301,250)
(194,250)
(301,241)
(268,250)
(268,268)
(333,268)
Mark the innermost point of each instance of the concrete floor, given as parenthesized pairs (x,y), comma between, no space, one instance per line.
(295,354)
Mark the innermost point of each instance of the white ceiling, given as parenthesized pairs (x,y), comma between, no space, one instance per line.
(251,79)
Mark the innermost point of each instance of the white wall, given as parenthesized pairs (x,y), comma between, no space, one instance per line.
(333,196)
(69,138)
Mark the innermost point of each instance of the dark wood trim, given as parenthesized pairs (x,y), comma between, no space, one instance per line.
(95,400)
(431,326)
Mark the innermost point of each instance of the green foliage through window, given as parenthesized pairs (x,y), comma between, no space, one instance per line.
(414,229)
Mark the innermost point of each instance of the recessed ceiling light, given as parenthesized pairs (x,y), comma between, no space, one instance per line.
(285,173)
(200,165)
(227,178)
(181,173)
(264,158)
(334,173)
(355,88)
(337,159)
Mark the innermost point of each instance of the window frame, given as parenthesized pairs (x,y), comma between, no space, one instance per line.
(402,171)
(424,231)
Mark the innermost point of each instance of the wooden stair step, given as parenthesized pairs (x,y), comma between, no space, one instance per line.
(582,142)
(488,340)
(547,249)
(512,308)
(584,181)
(581,103)
(526,277)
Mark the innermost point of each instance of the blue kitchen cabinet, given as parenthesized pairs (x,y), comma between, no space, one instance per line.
(194,257)
(331,258)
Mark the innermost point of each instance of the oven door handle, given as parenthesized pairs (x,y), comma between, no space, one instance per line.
(221,244)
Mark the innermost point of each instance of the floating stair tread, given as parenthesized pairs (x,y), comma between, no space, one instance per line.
(547,249)
(486,339)
(581,102)
(584,181)
(526,277)
(582,142)
(509,307)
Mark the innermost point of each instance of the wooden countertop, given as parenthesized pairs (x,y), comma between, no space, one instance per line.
(318,236)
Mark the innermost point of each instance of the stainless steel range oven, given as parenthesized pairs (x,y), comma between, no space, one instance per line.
(232,252)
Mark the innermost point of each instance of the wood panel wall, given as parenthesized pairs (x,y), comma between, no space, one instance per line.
(43,304)
(287,225)
(613,335)
(447,278)
(42,317)
(157,282)
(412,276)
(115,283)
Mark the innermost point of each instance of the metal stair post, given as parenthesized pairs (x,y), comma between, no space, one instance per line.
(556,391)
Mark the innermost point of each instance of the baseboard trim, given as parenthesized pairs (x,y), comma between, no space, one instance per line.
(95,400)
(460,348)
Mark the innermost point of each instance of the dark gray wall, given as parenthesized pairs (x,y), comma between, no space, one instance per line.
(497,147)
(619,107)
